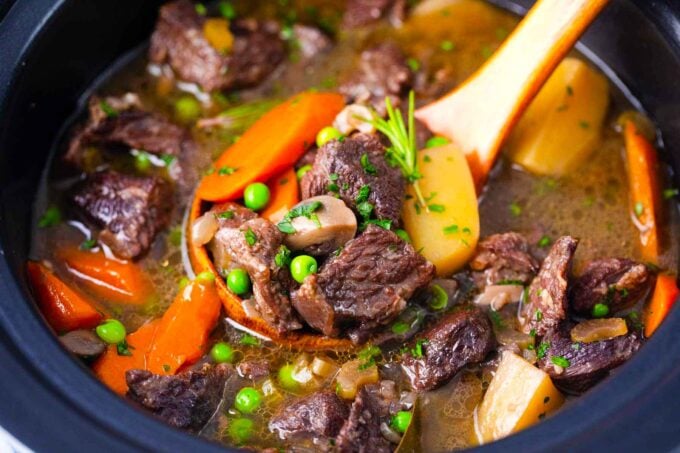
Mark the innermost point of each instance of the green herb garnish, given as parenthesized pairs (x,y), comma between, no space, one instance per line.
(366,164)
(225,171)
(639,209)
(88,244)
(250,340)
(51,217)
(283,256)
(108,110)
(440,299)
(515,209)
(542,349)
(250,236)
(226,215)
(544,242)
(304,210)
(560,361)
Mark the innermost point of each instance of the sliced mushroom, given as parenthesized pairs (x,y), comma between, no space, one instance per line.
(353,118)
(332,225)
(83,343)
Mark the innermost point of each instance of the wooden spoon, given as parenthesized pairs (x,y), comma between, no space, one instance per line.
(478,115)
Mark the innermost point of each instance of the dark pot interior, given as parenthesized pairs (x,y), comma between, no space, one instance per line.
(51,52)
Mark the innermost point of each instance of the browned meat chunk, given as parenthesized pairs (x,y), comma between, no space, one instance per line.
(253,247)
(310,41)
(361,432)
(253,369)
(502,258)
(129,209)
(364,12)
(338,170)
(587,362)
(617,283)
(186,400)
(461,337)
(368,284)
(547,305)
(319,415)
(232,215)
(122,123)
(382,73)
(83,343)
(179,40)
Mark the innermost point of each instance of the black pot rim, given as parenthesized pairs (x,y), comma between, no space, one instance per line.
(55,401)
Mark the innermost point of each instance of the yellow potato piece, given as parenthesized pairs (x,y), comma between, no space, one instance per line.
(563,124)
(446,235)
(217,33)
(519,396)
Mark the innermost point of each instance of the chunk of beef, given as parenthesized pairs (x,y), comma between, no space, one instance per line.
(179,41)
(547,305)
(232,215)
(83,343)
(122,123)
(368,284)
(253,247)
(588,362)
(129,209)
(502,258)
(186,400)
(364,12)
(382,72)
(461,337)
(319,415)
(361,432)
(310,41)
(253,369)
(617,283)
(338,170)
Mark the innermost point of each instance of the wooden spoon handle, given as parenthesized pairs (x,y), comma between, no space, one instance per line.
(479,114)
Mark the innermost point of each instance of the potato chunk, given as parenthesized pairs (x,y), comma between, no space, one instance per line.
(519,396)
(563,124)
(446,235)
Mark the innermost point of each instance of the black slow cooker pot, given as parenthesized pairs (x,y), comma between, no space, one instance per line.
(53,51)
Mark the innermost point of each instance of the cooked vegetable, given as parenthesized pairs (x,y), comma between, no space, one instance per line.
(111,331)
(448,177)
(222,353)
(327,134)
(302,266)
(284,195)
(598,329)
(118,281)
(518,396)
(275,142)
(353,375)
(240,430)
(401,421)
(187,109)
(333,224)
(286,379)
(563,124)
(600,310)
(256,196)
(248,400)
(204,228)
(665,294)
(217,33)
(238,281)
(323,366)
(642,164)
(183,331)
(110,368)
(63,308)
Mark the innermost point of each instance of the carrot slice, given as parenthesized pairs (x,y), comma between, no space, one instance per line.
(275,142)
(64,308)
(111,367)
(118,281)
(642,163)
(284,195)
(665,294)
(182,334)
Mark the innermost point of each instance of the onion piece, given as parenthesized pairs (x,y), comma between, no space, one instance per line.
(323,366)
(497,296)
(204,228)
(350,120)
(594,330)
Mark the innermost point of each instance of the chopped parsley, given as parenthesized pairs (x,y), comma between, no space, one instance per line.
(282,258)
(584,124)
(436,141)
(400,328)
(51,217)
(88,244)
(413,64)
(515,209)
(447,45)
(496,318)
(226,215)
(333,187)
(108,110)
(226,170)
(544,242)
(440,299)
(451,229)
(542,349)
(670,193)
(385,224)
(304,210)
(365,209)
(227,10)
(417,350)
(509,281)
(639,209)
(333,176)
(368,356)
(364,192)
(302,170)
(436,207)
(175,236)
(123,348)
(539,315)
(250,236)
(560,361)
(201,9)
(166,368)
(368,167)
(250,340)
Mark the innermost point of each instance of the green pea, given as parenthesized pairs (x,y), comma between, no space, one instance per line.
(256,196)
(142,161)
(600,310)
(440,298)
(187,108)
(327,134)
(286,379)
(247,400)
(302,266)
(403,235)
(111,331)
(238,281)
(183,282)
(222,353)
(206,277)
(240,430)
(401,420)
(302,171)
(436,141)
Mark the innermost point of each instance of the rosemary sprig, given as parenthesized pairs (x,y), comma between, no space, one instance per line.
(239,117)
(403,140)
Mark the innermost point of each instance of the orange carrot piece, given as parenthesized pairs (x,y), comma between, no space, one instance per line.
(275,142)
(665,294)
(64,308)
(642,163)
(284,195)
(183,331)
(111,367)
(118,281)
